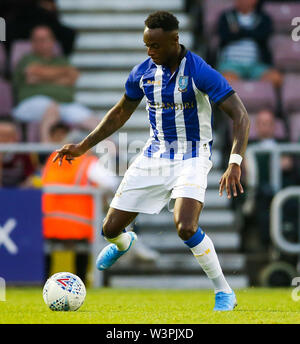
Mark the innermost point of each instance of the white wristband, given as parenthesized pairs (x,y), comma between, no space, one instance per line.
(235,159)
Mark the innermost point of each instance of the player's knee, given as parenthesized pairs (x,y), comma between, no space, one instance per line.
(106,231)
(185,230)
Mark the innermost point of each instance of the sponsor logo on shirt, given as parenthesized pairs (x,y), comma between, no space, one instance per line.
(172,106)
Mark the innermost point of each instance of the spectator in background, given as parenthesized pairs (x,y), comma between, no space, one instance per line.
(58,132)
(67,222)
(44,86)
(16,169)
(258,208)
(244,33)
(265,123)
(22,16)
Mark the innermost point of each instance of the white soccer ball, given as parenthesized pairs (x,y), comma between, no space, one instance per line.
(64,291)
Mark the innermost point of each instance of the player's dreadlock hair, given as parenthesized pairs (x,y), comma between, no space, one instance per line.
(162,20)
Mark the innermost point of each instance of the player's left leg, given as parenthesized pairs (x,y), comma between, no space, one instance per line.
(139,192)
(186,215)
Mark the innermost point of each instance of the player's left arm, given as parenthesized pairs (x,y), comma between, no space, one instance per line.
(235,109)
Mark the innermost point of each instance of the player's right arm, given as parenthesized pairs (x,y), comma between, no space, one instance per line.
(112,121)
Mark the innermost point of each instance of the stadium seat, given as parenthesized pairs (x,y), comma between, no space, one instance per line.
(23,47)
(294,126)
(286,53)
(280,129)
(6,98)
(290,93)
(256,95)
(282,15)
(212,9)
(33,132)
(18,50)
(2,59)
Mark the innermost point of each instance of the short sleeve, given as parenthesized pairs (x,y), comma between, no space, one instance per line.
(132,87)
(211,82)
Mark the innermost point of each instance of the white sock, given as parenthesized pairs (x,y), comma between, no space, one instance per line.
(122,241)
(220,284)
(206,256)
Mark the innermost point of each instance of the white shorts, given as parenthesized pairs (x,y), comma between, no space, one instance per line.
(33,109)
(150,184)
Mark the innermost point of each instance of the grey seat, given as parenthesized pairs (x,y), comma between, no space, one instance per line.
(294,125)
(6,98)
(290,93)
(286,53)
(256,94)
(282,14)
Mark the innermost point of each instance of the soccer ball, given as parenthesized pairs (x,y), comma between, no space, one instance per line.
(64,291)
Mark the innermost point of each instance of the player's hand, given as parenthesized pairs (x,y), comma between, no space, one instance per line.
(69,152)
(231,181)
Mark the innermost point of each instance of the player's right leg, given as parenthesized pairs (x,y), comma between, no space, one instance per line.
(186,216)
(114,232)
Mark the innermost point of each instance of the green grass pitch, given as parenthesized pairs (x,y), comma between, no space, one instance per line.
(139,306)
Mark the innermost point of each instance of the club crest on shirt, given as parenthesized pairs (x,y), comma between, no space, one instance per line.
(183,83)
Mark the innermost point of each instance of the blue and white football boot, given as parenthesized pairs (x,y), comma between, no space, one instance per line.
(110,254)
(225,301)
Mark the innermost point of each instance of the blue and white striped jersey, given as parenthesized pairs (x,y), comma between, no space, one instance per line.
(178,104)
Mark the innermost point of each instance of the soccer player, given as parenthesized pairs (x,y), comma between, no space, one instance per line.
(176,159)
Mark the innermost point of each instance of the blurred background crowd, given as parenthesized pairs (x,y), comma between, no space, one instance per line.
(64,63)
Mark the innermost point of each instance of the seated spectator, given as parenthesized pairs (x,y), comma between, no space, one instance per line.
(244,33)
(265,132)
(58,132)
(22,16)
(265,123)
(258,208)
(16,169)
(44,85)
